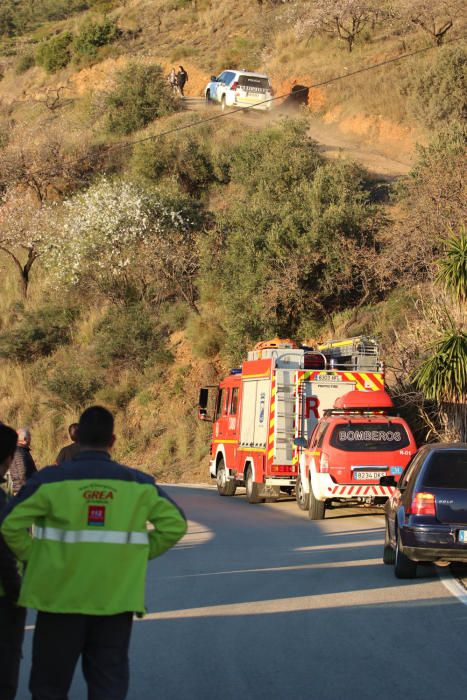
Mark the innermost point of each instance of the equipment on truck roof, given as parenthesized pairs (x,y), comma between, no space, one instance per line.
(360,353)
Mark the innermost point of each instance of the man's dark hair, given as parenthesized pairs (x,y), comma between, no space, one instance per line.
(73,431)
(96,427)
(8,442)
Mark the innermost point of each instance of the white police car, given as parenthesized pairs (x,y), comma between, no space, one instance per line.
(239,88)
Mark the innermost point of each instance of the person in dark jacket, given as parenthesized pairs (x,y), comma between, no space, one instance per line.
(12,617)
(69,451)
(23,466)
(182,79)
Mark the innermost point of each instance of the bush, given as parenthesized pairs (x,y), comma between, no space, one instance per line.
(129,336)
(55,53)
(440,92)
(93,35)
(25,62)
(188,159)
(72,382)
(37,334)
(141,95)
(206,336)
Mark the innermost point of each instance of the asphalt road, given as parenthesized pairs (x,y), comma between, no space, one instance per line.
(257,602)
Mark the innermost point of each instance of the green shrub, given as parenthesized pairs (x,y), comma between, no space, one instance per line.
(439,93)
(141,95)
(93,35)
(72,382)
(37,333)
(206,336)
(187,158)
(129,336)
(117,397)
(55,53)
(25,62)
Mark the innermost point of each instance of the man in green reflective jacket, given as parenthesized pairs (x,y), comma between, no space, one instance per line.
(87,560)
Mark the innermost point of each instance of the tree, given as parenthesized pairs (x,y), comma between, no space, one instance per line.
(436,17)
(128,241)
(432,200)
(295,245)
(23,232)
(46,165)
(344,18)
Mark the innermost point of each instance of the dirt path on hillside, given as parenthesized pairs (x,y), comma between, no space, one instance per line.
(333,142)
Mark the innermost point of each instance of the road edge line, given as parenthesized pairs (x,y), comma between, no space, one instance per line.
(453,586)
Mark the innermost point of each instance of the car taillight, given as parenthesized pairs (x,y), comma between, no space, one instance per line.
(422,504)
(234,85)
(324,463)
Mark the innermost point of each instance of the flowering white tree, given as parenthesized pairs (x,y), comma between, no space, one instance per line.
(24,235)
(119,234)
(345,19)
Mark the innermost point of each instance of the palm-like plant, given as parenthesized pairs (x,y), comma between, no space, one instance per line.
(442,377)
(452,272)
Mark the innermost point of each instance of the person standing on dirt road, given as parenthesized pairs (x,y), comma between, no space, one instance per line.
(182,79)
(87,561)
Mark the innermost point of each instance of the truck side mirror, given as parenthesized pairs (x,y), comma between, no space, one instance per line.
(213,78)
(203,405)
(300,442)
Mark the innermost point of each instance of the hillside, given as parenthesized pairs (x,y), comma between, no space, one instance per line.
(132,273)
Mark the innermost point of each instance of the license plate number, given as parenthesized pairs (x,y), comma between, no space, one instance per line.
(367,476)
(463,536)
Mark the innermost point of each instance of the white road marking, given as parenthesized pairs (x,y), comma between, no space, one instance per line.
(453,586)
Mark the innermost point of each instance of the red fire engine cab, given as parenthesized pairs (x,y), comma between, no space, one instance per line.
(262,411)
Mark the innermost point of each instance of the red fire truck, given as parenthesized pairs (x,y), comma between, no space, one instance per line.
(264,409)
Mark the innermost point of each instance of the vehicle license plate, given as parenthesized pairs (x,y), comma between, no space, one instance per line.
(362,476)
(463,536)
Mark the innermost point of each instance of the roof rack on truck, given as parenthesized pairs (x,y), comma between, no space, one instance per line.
(359,353)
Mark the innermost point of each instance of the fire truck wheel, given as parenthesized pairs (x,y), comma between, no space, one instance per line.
(302,498)
(225,487)
(317,508)
(252,488)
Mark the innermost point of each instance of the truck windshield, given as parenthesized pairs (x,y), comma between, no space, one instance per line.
(370,437)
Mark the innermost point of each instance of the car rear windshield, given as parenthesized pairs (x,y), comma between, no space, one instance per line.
(370,437)
(252,82)
(446,470)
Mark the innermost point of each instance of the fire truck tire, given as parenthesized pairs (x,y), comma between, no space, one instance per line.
(403,566)
(302,498)
(252,488)
(317,508)
(225,487)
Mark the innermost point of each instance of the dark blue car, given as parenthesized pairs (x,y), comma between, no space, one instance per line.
(426,517)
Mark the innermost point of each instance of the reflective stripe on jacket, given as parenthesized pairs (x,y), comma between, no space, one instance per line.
(90,544)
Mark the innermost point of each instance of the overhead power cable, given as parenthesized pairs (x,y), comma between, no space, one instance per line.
(231,112)
(305,88)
